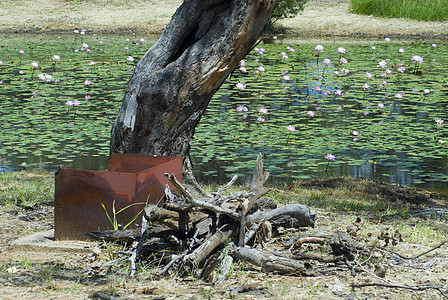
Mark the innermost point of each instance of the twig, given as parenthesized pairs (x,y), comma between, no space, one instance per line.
(168,265)
(412,288)
(222,189)
(370,272)
(142,239)
(199,203)
(416,256)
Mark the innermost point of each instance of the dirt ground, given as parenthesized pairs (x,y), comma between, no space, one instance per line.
(43,273)
(321,18)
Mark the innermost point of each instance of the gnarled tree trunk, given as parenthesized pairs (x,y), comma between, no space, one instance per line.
(175,80)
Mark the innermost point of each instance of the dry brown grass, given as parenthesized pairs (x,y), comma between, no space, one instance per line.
(321,18)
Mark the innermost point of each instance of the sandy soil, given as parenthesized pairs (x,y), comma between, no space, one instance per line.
(321,18)
(45,273)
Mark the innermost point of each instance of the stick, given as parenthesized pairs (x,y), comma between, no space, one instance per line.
(416,256)
(199,203)
(134,255)
(418,288)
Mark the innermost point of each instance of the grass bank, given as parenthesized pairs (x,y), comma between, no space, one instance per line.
(422,10)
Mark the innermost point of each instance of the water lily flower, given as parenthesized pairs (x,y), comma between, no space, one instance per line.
(261,69)
(243,69)
(263,110)
(365,86)
(373,47)
(343,60)
(399,95)
(354,132)
(242,63)
(21,51)
(310,113)
(380,105)
(84,45)
(382,64)
(401,69)
(274,37)
(286,77)
(387,39)
(261,119)
(417,59)
(240,86)
(338,92)
(368,75)
(87,97)
(92,63)
(35,65)
(87,82)
(291,128)
(439,122)
(319,48)
(56,57)
(401,50)
(426,91)
(327,61)
(341,50)
(330,157)
(76,31)
(434,45)
(76,102)
(69,103)
(241,108)
(130,58)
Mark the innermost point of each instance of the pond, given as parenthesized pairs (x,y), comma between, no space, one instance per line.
(373,109)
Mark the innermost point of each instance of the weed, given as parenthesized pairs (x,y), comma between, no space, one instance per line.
(114,220)
(25,263)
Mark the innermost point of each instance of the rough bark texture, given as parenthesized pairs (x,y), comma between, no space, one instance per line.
(175,80)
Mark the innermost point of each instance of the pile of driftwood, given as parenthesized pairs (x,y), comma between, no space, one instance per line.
(208,233)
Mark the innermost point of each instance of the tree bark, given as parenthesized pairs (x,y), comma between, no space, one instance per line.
(175,80)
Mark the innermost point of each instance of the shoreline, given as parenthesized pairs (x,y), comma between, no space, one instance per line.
(320,19)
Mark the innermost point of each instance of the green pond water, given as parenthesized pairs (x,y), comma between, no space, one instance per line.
(391,131)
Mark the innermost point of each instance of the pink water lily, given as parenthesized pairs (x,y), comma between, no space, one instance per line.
(291,128)
(240,86)
(319,48)
(330,157)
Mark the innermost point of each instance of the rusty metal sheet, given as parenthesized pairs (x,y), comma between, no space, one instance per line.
(79,194)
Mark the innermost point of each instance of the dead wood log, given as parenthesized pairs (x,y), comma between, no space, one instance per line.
(259,178)
(296,213)
(216,240)
(200,203)
(273,262)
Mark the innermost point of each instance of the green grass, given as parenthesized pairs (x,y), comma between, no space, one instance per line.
(26,188)
(423,10)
